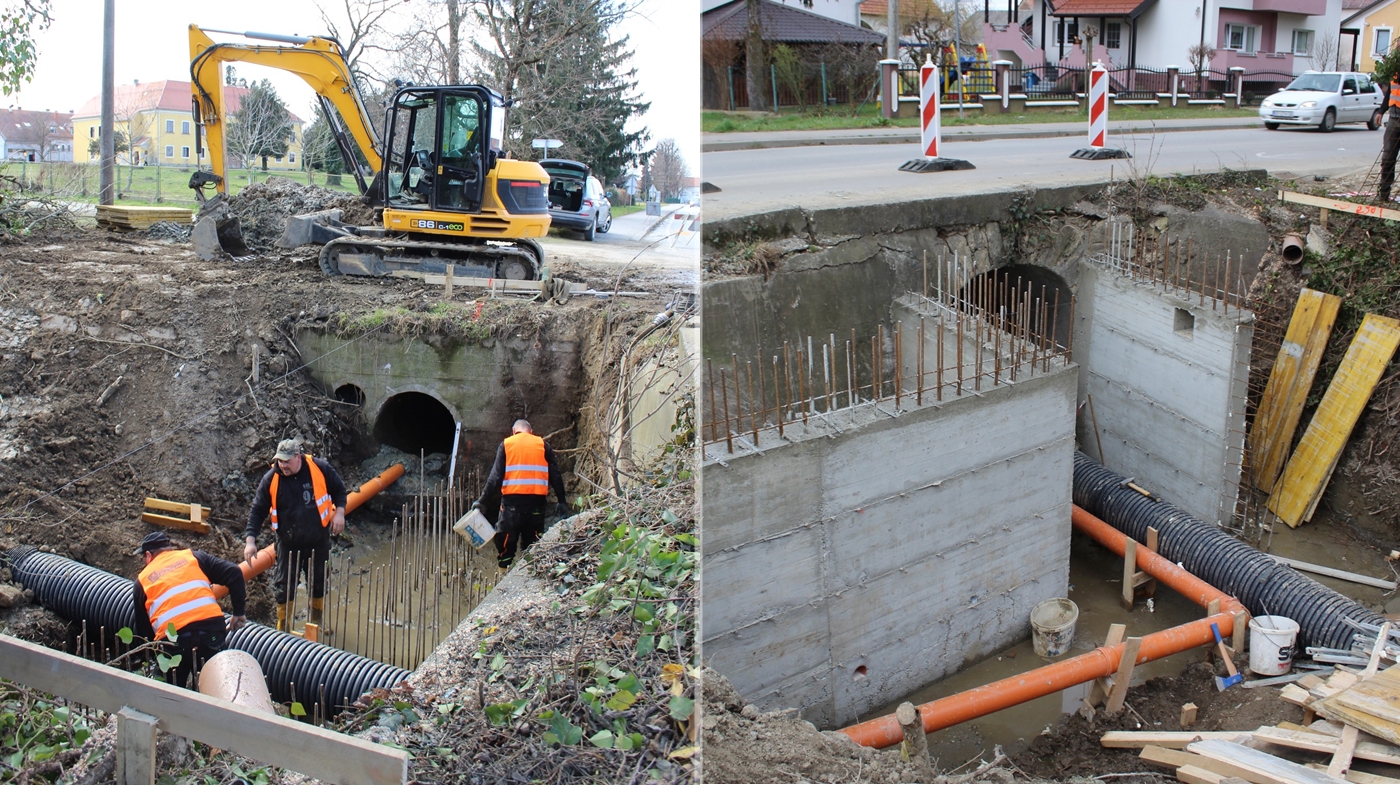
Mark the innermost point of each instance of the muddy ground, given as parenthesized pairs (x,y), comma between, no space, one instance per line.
(125,372)
(1356,526)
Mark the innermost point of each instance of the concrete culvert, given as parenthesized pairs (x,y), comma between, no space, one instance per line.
(1008,289)
(414,421)
(349,393)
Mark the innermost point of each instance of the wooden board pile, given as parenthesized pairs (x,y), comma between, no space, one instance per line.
(1360,720)
(128,218)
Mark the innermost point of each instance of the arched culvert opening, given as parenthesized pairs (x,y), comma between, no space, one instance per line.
(414,421)
(349,393)
(1023,290)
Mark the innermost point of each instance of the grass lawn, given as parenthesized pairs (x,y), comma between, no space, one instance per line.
(627,209)
(869,117)
(144,185)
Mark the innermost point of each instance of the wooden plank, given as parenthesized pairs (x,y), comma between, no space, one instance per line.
(1274,681)
(175,523)
(1177,758)
(1296,695)
(1191,773)
(508,285)
(1321,742)
(297,746)
(1290,380)
(1346,749)
(1354,208)
(136,747)
(1098,689)
(1317,569)
(1260,763)
(1170,739)
(183,508)
(1373,725)
(1119,694)
(1308,469)
(1129,572)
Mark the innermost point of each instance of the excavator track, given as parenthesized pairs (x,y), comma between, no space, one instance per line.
(383,256)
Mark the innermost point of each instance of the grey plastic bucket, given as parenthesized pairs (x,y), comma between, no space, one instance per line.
(1052,626)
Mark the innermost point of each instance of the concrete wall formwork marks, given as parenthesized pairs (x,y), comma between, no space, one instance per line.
(1168,377)
(843,568)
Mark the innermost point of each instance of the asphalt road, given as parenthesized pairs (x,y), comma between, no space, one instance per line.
(757,181)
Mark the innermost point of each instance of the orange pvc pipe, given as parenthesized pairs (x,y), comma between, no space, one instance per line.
(268,555)
(369,489)
(1099,663)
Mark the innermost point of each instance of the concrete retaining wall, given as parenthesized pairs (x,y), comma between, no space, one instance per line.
(1169,399)
(843,569)
(486,386)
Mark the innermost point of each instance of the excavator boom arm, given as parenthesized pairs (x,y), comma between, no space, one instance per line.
(318,61)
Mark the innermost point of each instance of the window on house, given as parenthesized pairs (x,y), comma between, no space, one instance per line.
(184,152)
(1113,35)
(92,132)
(291,158)
(1240,38)
(277,158)
(1302,41)
(294,136)
(170,151)
(1380,45)
(170,126)
(184,126)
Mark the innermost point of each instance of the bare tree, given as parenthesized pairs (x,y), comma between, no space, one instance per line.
(666,168)
(429,50)
(755,60)
(1322,52)
(1198,56)
(357,25)
(262,126)
(719,56)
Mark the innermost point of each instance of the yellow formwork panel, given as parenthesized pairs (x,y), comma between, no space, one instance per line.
(1296,495)
(1289,383)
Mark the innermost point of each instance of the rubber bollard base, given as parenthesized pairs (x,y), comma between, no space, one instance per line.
(1099,153)
(922,165)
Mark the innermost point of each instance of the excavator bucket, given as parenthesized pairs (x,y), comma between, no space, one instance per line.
(217,231)
(318,228)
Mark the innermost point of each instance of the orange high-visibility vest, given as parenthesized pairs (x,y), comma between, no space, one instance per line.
(177,592)
(526,469)
(1394,94)
(318,489)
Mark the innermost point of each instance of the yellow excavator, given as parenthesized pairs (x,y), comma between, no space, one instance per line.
(448,194)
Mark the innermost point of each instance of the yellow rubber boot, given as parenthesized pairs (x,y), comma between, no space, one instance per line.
(281,617)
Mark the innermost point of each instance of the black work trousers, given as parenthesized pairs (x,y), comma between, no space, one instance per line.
(296,561)
(521,523)
(196,643)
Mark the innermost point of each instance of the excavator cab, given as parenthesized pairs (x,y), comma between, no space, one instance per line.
(437,155)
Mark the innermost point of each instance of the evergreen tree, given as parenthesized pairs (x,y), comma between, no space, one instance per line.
(554,60)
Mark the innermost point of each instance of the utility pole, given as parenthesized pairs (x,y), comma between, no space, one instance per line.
(108,178)
(892,36)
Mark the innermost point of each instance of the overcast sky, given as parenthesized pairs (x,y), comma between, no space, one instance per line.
(153,44)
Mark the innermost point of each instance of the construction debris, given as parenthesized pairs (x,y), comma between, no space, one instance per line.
(129,218)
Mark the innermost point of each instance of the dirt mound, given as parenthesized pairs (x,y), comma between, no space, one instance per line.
(743,744)
(264,208)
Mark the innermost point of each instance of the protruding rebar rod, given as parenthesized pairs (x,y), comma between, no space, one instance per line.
(919,360)
(777,395)
(801,388)
(753,413)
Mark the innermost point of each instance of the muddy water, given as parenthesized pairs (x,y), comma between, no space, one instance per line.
(1095,586)
(400,588)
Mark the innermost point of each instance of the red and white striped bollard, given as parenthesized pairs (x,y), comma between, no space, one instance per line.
(1098,119)
(930,117)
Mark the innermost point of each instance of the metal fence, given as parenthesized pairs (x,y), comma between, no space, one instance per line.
(80,182)
(807,85)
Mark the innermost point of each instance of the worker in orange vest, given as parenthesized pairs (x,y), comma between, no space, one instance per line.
(1390,146)
(517,490)
(174,590)
(304,498)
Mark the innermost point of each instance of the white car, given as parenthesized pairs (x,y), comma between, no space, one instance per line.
(1323,99)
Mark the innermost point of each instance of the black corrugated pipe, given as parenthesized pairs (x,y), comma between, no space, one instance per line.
(296,669)
(1265,586)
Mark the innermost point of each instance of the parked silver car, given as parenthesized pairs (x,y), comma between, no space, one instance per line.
(1323,99)
(576,199)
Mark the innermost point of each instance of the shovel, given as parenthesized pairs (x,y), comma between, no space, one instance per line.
(1221,683)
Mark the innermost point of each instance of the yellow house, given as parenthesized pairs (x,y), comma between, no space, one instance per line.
(156,119)
(1368,32)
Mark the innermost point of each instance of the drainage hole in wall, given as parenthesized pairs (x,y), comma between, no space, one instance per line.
(1184,324)
(860,673)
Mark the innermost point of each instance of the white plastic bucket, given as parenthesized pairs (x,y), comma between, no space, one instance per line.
(475,528)
(1052,626)
(1271,640)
